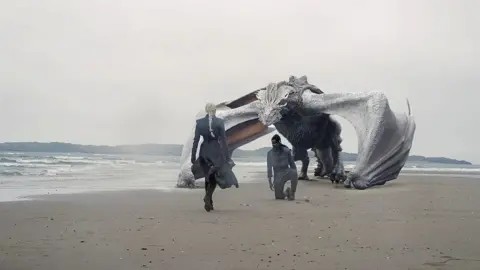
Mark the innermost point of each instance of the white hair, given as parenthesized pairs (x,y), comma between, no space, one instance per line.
(210,109)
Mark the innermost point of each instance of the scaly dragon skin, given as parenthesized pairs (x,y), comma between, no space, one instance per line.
(300,112)
(304,131)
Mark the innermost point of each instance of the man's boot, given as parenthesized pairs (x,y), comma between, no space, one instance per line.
(208,203)
(289,194)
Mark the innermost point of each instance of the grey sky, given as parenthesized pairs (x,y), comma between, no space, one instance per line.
(137,71)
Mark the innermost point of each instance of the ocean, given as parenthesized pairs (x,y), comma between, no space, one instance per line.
(29,174)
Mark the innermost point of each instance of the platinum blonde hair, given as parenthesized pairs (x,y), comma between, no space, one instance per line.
(210,109)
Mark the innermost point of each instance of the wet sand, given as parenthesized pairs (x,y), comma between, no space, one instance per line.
(413,222)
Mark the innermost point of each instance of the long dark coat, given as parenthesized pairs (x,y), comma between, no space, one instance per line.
(213,151)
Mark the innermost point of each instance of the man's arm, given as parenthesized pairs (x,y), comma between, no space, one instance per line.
(291,162)
(196,139)
(269,167)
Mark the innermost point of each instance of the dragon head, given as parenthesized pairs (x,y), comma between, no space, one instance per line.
(272,100)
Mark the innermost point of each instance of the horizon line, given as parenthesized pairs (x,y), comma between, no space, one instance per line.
(133,144)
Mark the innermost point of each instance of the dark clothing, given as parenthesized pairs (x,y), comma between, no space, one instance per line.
(279,184)
(280,160)
(214,154)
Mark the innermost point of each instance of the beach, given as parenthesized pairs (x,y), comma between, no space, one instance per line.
(414,222)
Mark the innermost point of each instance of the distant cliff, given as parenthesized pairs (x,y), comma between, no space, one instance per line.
(59,147)
(168,149)
(352,157)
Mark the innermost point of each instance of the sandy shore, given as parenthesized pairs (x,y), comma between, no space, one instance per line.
(412,223)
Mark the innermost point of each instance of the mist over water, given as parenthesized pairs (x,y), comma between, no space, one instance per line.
(25,174)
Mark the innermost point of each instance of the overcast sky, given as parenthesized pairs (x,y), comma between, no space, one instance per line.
(137,71)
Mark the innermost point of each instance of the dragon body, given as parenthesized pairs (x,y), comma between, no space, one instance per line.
(305,131)
(302,114)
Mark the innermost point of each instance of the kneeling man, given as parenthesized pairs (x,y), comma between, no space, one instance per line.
(280,159)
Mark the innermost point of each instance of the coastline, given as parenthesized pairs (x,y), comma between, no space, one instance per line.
(164,179)
(416,222)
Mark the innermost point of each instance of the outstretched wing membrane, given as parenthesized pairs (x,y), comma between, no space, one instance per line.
(384,137)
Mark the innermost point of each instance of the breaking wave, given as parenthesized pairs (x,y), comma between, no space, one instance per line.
(48,164)
(21,164)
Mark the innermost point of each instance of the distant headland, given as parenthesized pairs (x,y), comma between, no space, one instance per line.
(168,149)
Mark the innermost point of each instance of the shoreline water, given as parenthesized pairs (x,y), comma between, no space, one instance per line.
(24,194)
(49,173)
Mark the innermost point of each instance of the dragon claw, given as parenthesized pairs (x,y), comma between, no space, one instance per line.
(303,176)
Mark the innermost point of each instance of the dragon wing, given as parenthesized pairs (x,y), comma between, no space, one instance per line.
(384,138)
(241,120)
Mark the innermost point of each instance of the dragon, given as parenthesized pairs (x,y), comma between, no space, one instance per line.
(302,113)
